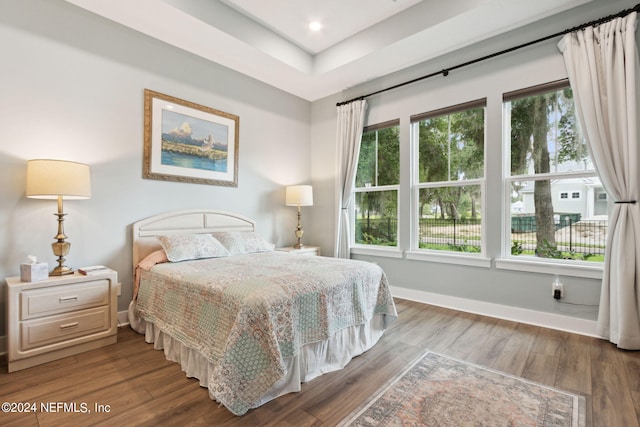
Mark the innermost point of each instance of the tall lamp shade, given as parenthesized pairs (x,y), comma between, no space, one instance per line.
(58,180)
(299,195)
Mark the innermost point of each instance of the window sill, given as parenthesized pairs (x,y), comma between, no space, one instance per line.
(450,258)
(381,251)
(550,267)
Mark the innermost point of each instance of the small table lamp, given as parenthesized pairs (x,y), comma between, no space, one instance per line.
(58,179)
(299,195)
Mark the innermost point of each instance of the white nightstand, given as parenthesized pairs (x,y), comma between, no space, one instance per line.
(59,317)
(305,250)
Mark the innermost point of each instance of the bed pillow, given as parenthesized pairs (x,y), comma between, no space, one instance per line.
(243,242)
(155,257)
(183,247)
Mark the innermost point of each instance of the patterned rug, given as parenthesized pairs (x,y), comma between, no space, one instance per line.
(439,391)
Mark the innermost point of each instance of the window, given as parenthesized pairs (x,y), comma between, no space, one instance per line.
(377,185)
(574,195)
(550,168)
(448,178)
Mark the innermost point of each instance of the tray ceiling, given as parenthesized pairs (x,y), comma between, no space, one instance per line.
(359,40)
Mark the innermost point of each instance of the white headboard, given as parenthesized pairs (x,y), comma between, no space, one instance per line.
(183,221)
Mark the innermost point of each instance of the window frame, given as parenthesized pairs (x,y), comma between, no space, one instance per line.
(576,268)
(415,252)
(365,249)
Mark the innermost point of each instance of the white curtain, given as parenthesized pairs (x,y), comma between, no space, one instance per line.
(349,135)
(602,63)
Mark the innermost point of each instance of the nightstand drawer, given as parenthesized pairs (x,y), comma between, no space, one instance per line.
(40,332)
(305,250)
(62,299)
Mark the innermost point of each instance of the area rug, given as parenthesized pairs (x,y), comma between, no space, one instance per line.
(437,390)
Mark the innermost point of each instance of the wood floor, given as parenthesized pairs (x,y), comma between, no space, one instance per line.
(136,385)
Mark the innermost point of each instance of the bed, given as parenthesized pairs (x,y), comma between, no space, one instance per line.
(251,323)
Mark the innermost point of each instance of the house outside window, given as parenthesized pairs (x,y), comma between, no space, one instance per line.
(448,179)
(377,186)
(550,169)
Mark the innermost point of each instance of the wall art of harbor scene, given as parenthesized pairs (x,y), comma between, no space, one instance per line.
(190,142)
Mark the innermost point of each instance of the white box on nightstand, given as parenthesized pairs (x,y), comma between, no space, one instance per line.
(34,271)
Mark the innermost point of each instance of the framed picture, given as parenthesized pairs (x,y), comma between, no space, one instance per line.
(187,142)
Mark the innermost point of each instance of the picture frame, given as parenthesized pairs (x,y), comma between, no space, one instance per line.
(188,142)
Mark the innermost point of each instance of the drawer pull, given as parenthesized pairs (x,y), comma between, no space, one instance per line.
(69,325)
(68,299)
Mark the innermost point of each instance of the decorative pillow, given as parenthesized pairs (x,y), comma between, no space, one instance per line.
(182,247)
(243,242)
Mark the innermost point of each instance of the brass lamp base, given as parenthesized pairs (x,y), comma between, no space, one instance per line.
(61,270)
(299,232)
(61,246)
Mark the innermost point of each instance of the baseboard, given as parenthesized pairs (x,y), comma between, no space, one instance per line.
(532,317)
(123,318)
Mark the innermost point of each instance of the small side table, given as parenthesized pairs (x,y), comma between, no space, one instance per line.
(305,250)
(60,317)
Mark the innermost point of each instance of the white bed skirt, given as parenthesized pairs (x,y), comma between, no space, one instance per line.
(311,361)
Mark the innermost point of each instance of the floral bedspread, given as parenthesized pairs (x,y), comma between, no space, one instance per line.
(247,313)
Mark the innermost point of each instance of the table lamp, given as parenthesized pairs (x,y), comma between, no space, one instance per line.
(58,179)
(299,195)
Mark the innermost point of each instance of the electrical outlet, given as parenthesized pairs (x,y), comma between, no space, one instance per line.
(557,289)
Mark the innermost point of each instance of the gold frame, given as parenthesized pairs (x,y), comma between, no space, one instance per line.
(152,167)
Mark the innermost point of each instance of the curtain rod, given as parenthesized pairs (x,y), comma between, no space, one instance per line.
(445,72)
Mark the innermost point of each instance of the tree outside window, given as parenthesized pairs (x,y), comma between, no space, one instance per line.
(377,185)
(549,160)
(449,146)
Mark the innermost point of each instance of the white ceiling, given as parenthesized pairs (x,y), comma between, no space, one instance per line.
(341,19)
(269,40)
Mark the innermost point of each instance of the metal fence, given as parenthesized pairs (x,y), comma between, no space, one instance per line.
(377,231)
(585,237)
(464,235)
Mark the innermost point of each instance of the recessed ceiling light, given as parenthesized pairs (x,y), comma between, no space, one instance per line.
(315,26)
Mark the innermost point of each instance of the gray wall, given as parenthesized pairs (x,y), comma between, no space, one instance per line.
(72,88)
(527,67)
